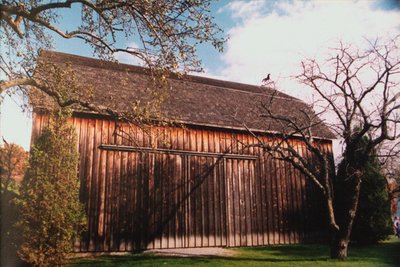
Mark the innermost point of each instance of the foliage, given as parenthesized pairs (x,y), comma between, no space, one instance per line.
(51,213)
(10,235)
(58,86)
(162,34)
(373,221)
(13,161)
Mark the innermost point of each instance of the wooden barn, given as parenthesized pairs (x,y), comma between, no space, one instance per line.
(197,182)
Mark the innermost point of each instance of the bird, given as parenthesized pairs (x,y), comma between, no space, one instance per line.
(266,78)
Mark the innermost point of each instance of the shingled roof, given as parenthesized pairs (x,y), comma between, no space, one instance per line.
(191,100)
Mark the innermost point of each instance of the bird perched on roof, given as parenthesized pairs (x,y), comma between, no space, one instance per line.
(266,79)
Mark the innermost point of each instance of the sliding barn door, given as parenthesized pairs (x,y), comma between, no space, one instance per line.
(144,200)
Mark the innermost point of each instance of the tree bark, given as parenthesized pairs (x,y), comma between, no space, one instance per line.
(341,237)
(339,248)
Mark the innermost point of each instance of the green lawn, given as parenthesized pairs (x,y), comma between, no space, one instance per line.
(384,254)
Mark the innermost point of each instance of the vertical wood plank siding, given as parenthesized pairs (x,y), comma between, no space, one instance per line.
(191,187)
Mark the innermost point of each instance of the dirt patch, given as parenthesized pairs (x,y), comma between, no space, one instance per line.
(193,252)
(179,252)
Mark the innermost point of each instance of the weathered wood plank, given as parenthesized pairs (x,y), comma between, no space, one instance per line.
(275,192)
(264,201)
(248,196)
(242,202)
(155,234)
(211,202)
(223,202)
(191,202)
(229,204)
(236,201)
(88,174)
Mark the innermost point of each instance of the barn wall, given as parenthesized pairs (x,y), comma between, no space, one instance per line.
(189,187)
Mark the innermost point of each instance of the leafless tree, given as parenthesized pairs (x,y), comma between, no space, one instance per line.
(358,94)
(166,33)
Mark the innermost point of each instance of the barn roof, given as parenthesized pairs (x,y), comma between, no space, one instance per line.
(192,100)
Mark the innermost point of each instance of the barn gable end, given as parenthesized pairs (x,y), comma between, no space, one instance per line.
(200,185)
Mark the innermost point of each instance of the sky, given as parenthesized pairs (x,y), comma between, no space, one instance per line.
(264,37)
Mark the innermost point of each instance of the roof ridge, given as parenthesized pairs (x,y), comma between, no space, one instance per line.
(228,85)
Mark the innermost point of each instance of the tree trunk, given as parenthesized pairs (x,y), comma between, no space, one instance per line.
(339,247)
(341,237)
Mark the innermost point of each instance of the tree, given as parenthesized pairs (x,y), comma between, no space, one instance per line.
(167,34)
(358,90)
(13,162)
(373,220)
(51,213)
(12,165)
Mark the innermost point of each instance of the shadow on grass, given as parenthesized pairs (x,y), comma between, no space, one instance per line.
(384,254)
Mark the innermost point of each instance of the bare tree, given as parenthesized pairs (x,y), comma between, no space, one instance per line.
(358,92)
(166,33)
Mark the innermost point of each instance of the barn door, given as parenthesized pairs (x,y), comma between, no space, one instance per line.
(240,187)
(140,200)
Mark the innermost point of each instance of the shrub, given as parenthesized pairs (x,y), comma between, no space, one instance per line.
(373,221)
(51,213)
(13,161)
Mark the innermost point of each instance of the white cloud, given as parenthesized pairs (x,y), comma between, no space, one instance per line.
(128,58)
(244,9)
(275,37)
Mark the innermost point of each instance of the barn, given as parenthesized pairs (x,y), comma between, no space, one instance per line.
(195,177)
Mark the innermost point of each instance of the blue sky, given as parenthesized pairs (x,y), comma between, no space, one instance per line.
(264,37)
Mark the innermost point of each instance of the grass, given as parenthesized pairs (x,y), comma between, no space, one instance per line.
(384,254)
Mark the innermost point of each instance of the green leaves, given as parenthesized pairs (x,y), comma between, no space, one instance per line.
(52,216)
